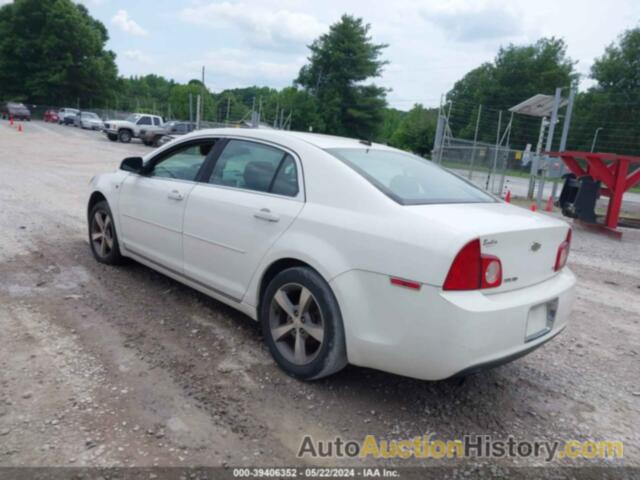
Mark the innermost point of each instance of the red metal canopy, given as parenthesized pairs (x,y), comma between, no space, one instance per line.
(609,168)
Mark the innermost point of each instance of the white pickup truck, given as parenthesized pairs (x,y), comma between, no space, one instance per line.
(132,127)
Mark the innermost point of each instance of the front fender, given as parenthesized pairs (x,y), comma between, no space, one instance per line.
(108,185)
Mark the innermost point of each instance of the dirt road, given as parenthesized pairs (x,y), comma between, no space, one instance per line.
(123,366)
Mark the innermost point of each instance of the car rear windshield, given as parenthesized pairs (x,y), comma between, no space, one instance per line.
(409,179)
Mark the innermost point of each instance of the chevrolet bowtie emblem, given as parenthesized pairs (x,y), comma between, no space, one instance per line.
(535,246)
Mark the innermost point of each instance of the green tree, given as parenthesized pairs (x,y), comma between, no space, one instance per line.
(179,100)
(613,104)
(416,130)
(516,74)
(340,61)
(391,120)
(53,51)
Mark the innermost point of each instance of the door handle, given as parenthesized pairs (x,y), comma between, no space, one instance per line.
(175,195)
(265,214)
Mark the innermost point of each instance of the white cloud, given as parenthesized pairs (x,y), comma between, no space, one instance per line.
(137,56)
(470,21)
(121,20)
(91,2)
(267,26)
(231,67)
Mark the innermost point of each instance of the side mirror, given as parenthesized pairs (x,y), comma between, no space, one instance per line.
(131,164)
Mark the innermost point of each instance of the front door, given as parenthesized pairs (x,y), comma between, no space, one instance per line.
(233,217)
(152,204)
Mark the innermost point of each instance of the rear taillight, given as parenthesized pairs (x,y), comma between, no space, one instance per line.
(563,253)
(491,271)
(471,270)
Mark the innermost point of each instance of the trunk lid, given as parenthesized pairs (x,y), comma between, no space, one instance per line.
(525,242)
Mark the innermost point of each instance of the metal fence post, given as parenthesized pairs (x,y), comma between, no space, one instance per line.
(475,142)
(550,132)
(506,160)
(565,134)
(495,153)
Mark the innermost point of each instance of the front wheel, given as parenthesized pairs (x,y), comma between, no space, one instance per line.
(124,136)
(102,235)
(302,324)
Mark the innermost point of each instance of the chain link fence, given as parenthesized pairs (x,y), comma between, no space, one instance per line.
(484,164)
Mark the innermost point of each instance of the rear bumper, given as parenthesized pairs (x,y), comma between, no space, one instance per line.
(431,334)
(488,365)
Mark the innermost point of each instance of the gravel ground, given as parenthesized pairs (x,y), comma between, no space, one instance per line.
(122,366)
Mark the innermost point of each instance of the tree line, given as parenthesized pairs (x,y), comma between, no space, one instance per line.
(52,52)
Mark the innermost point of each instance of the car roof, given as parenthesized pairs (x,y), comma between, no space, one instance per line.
(319,140)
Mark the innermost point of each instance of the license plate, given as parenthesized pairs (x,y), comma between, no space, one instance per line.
(540,320)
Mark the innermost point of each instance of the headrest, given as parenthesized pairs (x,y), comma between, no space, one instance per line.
(258,175)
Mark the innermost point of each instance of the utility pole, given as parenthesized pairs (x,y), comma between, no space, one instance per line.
(204,92)
(190,108)
(254,114)
(228,108)
(198,105)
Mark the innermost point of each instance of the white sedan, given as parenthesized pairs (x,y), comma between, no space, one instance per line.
(344,251)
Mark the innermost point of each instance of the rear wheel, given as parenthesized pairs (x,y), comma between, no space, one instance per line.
(124,136)
(302,324)
(102,235)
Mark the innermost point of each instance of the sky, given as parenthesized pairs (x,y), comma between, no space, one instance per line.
(432,43)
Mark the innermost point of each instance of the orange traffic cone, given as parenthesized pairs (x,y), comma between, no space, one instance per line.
(20,127)
(507,197)
(549,207)
(534,208)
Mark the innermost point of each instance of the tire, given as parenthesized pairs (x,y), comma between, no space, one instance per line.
(112,136)
(146,142)
(124,136)
(105,248)
(317,327)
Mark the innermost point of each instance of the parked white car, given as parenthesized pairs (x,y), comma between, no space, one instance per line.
(66,116)
(345,251)
(88,120)
(125,130)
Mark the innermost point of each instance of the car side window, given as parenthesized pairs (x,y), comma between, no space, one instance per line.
(253,166)
(286,180)
(156,122)
(144,121)
(183,164)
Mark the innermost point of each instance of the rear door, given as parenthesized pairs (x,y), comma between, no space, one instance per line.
(251,196)
(151,206)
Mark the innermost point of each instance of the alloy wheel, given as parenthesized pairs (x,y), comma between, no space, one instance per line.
(102,233)
(296,323)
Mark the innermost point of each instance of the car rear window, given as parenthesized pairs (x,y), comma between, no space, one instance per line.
(409,179)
